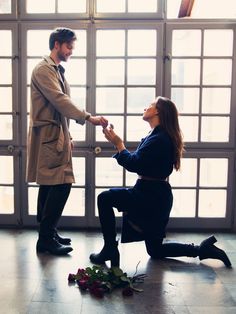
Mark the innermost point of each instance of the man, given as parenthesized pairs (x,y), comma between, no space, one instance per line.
(49,155)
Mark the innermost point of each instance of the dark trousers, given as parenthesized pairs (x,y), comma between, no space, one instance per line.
(154,246)
(51,202)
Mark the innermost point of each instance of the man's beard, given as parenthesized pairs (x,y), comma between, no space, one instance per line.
(61,57)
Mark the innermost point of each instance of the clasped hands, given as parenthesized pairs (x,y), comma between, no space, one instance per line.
(109,133)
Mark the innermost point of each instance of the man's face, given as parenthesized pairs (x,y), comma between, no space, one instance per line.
(64,51)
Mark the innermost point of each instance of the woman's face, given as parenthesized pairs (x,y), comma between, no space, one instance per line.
(150,111)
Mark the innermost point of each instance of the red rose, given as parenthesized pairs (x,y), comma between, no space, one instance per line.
(83,284)
(71,278)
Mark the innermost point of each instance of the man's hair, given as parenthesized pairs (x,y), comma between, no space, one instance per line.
(62,35)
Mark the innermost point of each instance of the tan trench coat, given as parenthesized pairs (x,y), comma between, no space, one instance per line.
(49,155)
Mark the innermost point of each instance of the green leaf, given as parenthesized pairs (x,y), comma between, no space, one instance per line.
(123,278)
(117,271)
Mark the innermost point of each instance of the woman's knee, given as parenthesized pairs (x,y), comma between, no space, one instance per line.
(103,197)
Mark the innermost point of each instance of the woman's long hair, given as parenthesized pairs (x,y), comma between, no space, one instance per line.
(168,116)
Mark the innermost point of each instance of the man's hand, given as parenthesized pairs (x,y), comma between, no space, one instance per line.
(98,120)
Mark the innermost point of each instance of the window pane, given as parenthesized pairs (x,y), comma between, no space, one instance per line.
(33,6)
(6,40)
(204,9)
(28,99)
(184,203)
(186,43)
(217,72)
(187,176)
(142,42)
(77,131)
(136,128)
(37,42)
(214,9)
(186,99)
(6,170)
(110,72)
(79,170)
(75,205)
(213,40)
(213,172)
(185,72)
(107,96)
(78,96)
(6,71)
(141,71)
(142,6)
(80,44)
(139,98)
(6,124)
(108,172)
(31,63)
(7,198)
(72,6)
(215,129)
(104,40)
(5,99)
(5,6)
(32,200)
(107,6)
(216,100)
(173,8)
(212,203)
(75,71)
(118,123)
(130,178)
(189,127)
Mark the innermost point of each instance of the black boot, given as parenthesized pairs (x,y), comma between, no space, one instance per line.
(109,252)
(207,249)
(65,241)
(52,246)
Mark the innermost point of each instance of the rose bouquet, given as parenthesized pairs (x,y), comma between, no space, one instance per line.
(98,280)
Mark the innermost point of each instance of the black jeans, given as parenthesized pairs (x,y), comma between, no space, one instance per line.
(51,202)
(154,246)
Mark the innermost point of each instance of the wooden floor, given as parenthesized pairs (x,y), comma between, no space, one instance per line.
(32,283)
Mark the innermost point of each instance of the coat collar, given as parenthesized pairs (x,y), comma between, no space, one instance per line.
(59,68)
(52,63)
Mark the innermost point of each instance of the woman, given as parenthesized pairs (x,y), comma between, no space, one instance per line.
(147,205)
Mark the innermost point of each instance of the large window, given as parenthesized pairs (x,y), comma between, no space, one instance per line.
(201,81)
(127,53)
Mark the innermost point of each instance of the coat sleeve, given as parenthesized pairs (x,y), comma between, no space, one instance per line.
(149,156)
(46,81)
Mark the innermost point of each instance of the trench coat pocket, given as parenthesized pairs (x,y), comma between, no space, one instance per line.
(53,157)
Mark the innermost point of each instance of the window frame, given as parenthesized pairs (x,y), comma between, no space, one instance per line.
(232,124)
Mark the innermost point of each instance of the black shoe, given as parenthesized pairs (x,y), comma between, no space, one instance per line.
(52,246)
(65,241)
(108,253)
(207,249)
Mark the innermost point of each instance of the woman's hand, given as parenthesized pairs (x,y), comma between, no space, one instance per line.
(112,137)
